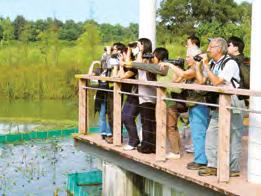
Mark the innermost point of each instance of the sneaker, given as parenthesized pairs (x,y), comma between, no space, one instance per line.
(195,166)
(234,173)
(103,137)
(189,148)
(109,139)
(172,155)
(208,171)
(128,148)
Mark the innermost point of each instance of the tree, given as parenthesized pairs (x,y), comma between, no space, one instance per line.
(90,40)
(183,16)
(8,30)
(19,24)
(70,31)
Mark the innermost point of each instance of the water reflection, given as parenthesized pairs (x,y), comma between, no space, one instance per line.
(7,128)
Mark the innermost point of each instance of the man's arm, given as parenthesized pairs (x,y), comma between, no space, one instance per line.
(153,68)
(215,80)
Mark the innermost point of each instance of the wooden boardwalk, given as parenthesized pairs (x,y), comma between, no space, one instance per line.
(236,186)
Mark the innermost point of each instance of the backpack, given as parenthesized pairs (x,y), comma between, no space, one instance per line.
(244,74)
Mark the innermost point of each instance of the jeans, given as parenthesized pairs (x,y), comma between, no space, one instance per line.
(104,128)
(235,140)
(199,120)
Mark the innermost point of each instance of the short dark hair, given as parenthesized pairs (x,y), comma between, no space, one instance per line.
(194,40)
(161,53)
(238,42)
(120,46)
(146,44)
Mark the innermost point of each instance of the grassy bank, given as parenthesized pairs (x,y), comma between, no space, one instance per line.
(34,72)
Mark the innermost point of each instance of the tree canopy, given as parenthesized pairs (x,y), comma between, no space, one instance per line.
(203,17)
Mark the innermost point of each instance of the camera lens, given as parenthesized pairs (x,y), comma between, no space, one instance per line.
(197,58)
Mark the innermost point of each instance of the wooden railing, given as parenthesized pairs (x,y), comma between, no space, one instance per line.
(224,114)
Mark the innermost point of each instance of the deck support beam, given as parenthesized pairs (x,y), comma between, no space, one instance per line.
(161,128)
(223,138)
(83,104)
(117,114)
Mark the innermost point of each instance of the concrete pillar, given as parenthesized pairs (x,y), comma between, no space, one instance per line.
(254,146)
(147,20)
(115,181)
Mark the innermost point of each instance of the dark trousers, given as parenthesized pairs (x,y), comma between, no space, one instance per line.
(129,113)
(148,122)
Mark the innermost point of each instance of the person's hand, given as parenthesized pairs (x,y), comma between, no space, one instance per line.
(197,66)
(204,58)
(163,65)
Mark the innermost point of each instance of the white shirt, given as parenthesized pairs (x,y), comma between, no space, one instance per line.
(145,90)
(230,70)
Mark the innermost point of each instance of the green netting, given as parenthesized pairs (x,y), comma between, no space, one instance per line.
(36,135)
(7,138)
(84,184)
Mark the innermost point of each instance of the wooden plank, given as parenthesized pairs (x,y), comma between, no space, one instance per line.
(116,114)
(176,168)
(223,138)
(224,90)
(83,118)
(161,120)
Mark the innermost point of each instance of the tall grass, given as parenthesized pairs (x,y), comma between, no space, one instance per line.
(35,71)
(28,73)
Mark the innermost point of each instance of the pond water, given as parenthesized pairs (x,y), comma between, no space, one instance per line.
(44,109)
(27,115)
(40,167)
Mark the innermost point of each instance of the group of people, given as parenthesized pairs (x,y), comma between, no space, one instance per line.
(219,66)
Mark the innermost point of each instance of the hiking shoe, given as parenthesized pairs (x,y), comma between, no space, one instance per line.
(195,166)
(208,171)
(234,173)
(128,148)
(172,155)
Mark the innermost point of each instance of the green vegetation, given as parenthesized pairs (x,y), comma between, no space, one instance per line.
(38,59)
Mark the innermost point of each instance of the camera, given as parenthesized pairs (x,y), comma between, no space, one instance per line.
(105,49)
(147,56)
(115,56)
(179,62)
(197,58)
(133,44)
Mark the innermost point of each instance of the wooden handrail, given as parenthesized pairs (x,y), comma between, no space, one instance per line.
(218,89)
(224,114)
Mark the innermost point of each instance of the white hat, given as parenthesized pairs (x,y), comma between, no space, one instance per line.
(193,51)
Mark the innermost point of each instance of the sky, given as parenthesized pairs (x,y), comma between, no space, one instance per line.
(103,11)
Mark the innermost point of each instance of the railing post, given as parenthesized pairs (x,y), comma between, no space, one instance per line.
(161,130)
(116,114)
(223,138)
(83,104)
